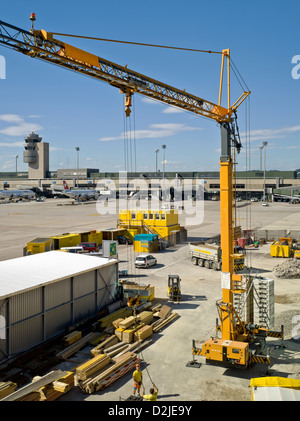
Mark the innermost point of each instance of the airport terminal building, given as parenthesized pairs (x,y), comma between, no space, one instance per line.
(247,183)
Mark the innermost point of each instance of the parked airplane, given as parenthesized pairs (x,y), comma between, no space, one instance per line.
(78,194)
(17,194)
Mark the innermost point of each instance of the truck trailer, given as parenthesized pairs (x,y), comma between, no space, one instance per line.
(210,256)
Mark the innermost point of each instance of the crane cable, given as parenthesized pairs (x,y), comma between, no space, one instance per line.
(233,66)
(137,43)
(130,163)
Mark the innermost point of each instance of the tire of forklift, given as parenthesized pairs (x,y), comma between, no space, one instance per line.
(194,260)
(207,264)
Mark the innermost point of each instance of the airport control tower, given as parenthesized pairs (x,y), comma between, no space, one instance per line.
(36,155)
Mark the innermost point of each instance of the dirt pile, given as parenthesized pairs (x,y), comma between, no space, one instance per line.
(289,269)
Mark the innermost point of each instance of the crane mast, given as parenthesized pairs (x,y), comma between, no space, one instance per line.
(42,45)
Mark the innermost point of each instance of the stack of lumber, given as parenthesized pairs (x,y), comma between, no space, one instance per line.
(155,308)
(100,338)
(143,333)
(145,317)
(115,349)
(126,328)
(164,312)
(92,366)
(161,323)
(106,321)
(119,366)
(57,388)
(70,350)
(99,349)
(128,334)
(72,337)
(49,391)
(128,321)
(117,322)
(6,388)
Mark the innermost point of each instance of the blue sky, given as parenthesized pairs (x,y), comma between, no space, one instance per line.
(69,110)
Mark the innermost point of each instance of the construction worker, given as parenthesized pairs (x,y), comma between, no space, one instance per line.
(137,379)
(153,394)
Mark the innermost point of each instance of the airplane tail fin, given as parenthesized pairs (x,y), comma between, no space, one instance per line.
(66,187)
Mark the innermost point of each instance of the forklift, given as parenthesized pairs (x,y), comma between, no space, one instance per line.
(174,291)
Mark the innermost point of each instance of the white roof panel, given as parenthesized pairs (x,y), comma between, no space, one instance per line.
(27,272)
(275,394)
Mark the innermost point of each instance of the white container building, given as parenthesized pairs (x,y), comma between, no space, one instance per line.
(43,294)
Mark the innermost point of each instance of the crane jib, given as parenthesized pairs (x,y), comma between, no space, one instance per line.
(41,44)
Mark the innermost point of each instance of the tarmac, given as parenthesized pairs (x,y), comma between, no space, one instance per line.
(164,361)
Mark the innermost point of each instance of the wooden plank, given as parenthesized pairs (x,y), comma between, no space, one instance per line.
(122,312)
(92,366)
(164,312)
(90,385)
(117,351)
(145,317)
(72,337)
(117,322)
(143,333)
(129,321)
(128,333)
(119,333)
(111,340)
(64,354)
(48,378)
(165,322)
(6,388)
(61,386)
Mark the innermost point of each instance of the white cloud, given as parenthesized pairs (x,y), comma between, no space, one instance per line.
(12,144)
(266,134)
(19,127)
(55,148)
(8,165)
(11,118)
(147,100)
(172,110)
(166,162)
(155,131)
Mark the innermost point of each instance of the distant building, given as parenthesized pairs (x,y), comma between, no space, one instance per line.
(71,173)
(36,155)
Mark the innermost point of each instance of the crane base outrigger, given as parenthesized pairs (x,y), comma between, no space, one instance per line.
(237,354)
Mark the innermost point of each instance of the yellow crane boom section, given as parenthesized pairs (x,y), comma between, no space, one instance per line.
(44,46)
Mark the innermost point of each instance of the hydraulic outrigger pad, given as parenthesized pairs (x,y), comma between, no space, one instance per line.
(194,363)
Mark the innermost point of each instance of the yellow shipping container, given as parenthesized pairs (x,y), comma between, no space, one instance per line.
(66,240)
(40,245)
(161,222)
(95,237)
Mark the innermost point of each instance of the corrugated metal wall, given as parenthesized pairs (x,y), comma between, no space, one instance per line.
(40,314)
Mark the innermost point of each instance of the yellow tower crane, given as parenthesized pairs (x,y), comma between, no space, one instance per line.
(236,335)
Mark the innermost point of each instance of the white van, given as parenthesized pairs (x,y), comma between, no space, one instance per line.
(75,249)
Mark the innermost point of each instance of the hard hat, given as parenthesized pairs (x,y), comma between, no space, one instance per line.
(137,365)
